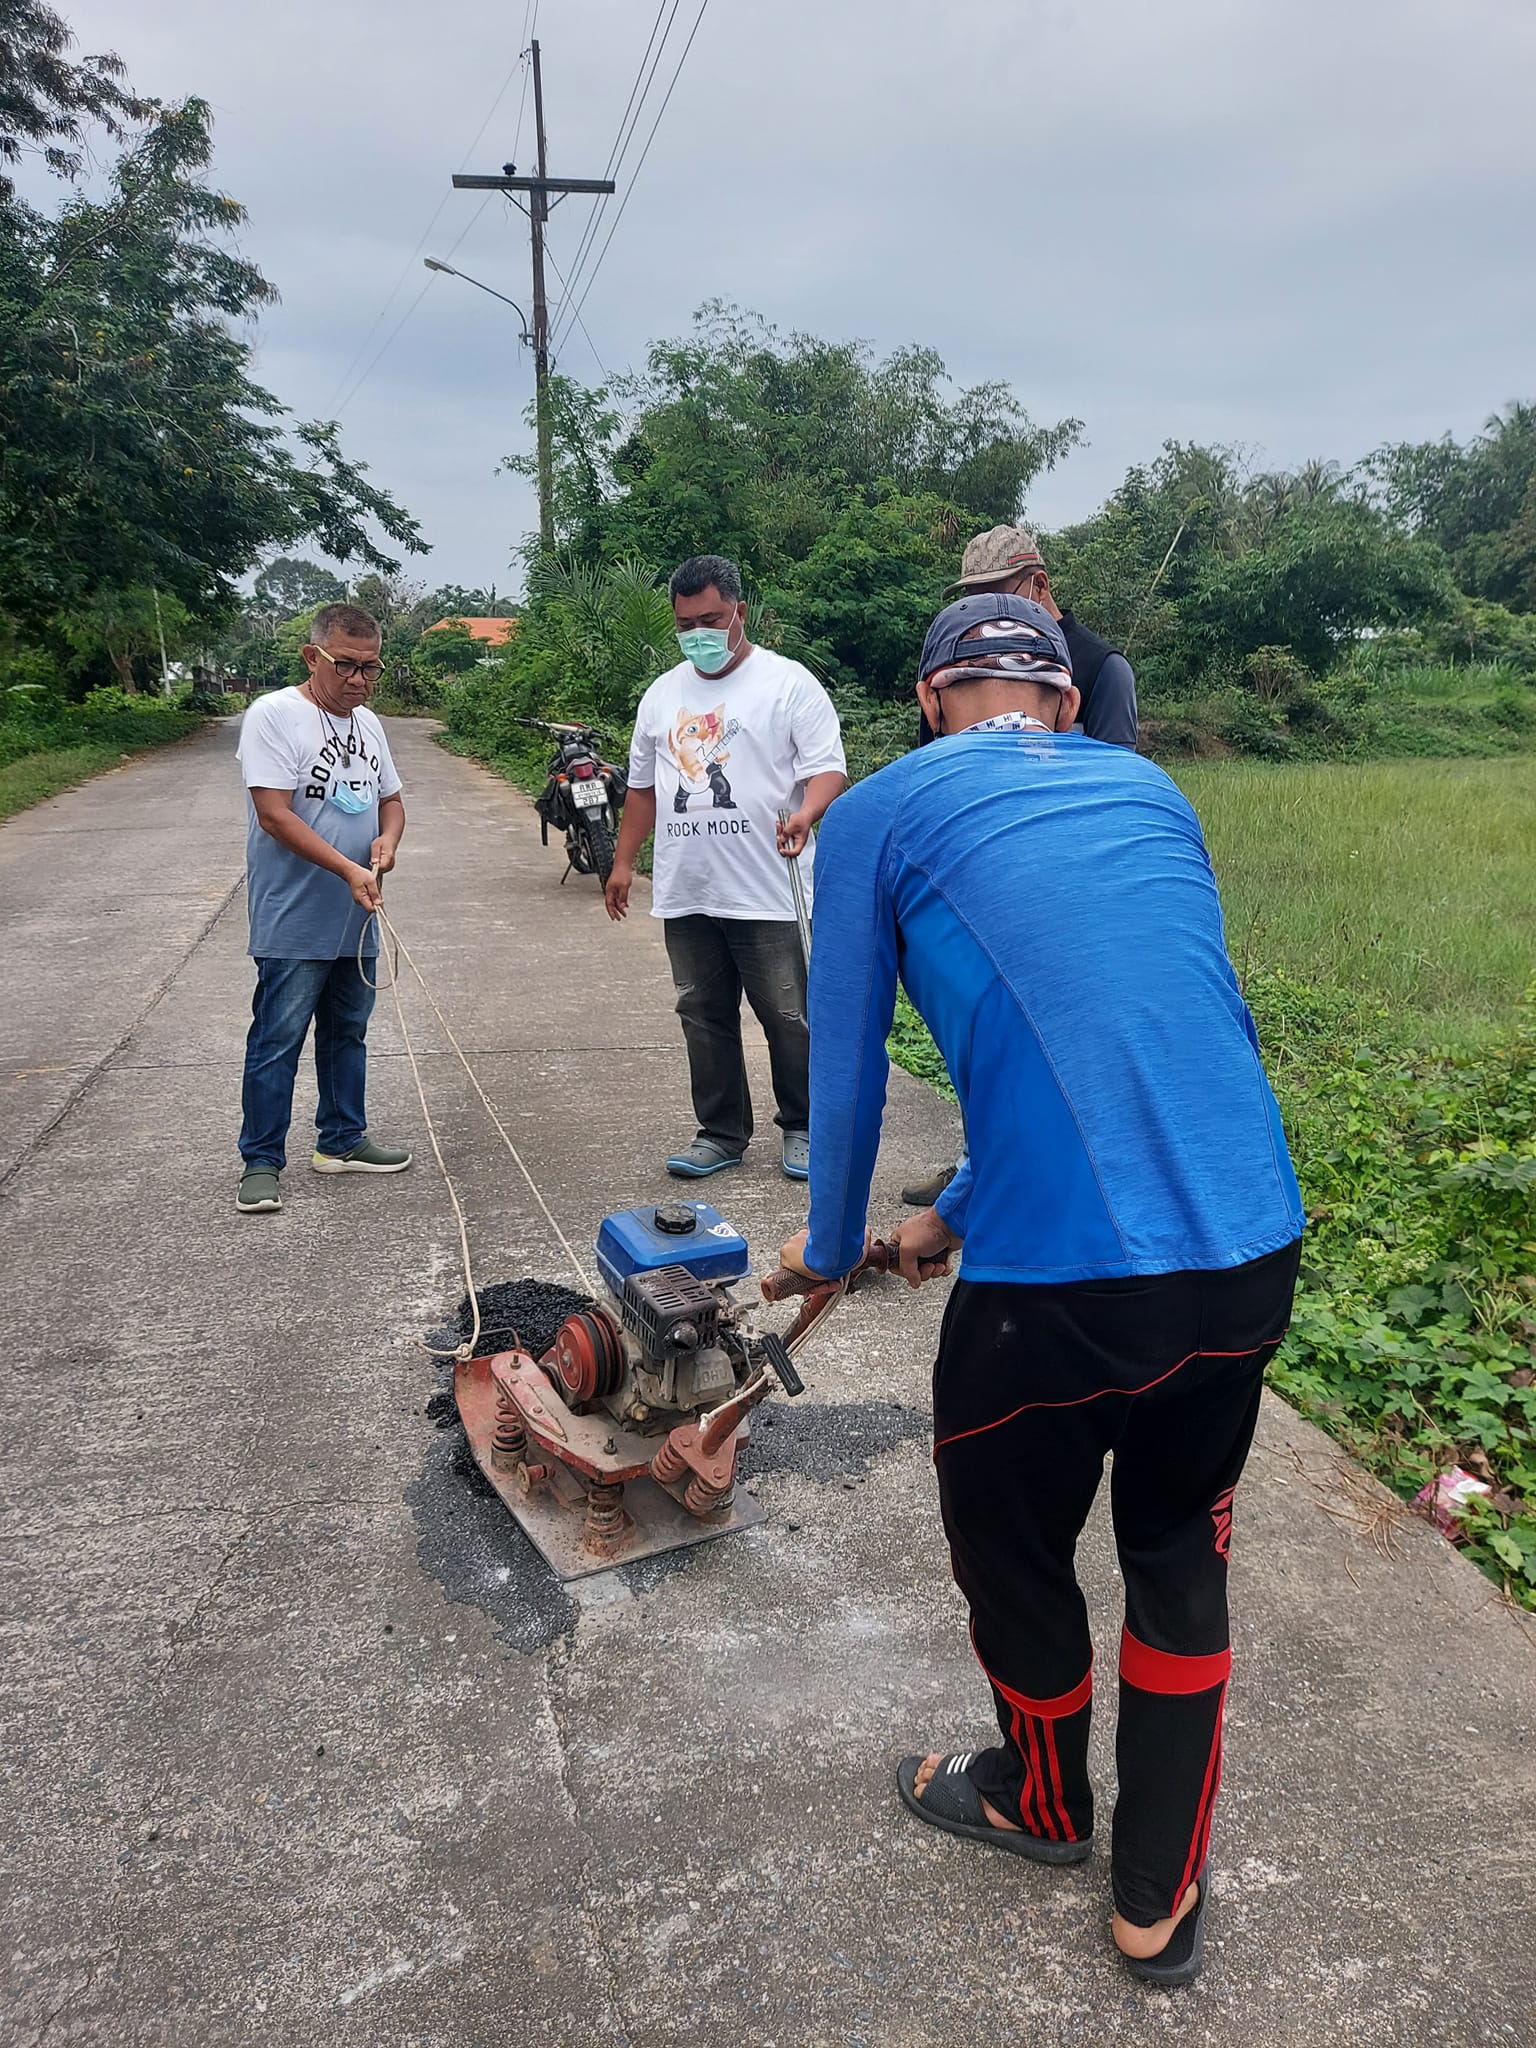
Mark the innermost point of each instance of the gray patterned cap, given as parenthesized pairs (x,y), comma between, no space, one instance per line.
(997,556)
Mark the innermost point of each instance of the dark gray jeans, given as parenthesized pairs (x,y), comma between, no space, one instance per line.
(714,960)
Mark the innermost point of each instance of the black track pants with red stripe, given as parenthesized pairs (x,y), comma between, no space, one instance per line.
(1032,1386)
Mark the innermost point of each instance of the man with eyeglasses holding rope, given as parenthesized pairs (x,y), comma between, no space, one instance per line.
(324,819)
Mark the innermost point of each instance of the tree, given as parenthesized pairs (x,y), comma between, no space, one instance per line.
(746,442)
(130,624)
(45,100)
(609,623)
(1328,570)
(449,650)
(390,599)
(1477,501)
(290,585)
(453,601)
(857,607)
(135,449)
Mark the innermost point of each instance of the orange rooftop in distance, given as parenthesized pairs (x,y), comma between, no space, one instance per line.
(493,631)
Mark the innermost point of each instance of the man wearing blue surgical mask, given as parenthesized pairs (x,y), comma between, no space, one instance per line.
(324,819)
(724,742)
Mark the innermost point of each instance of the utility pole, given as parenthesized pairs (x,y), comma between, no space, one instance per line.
(538,189)
(165,666)
(538,214)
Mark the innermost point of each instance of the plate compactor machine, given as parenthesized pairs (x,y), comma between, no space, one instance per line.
(623,1439)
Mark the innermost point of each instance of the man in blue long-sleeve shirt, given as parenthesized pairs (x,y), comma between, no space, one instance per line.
(1007,560)
(1130,1225)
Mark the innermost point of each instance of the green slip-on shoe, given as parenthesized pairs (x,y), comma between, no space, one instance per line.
(258,1190)
(368,1157)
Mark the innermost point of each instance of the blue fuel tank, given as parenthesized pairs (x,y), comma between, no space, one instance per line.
(690,1234)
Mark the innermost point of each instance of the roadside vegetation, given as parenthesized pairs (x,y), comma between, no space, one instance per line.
(143,471)
(47,745)
(1414,1335)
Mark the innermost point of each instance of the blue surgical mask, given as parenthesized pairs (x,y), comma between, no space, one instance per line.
(346,798)
(707,647)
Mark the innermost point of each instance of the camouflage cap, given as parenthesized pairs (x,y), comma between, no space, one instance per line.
(997,556)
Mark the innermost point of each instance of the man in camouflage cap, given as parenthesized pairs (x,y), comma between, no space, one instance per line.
(1007,558)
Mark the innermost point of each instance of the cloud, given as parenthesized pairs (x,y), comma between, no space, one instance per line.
(1301,229)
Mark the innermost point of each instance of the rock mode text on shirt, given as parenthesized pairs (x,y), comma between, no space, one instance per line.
(725,754)
(1049,906)
(299,911)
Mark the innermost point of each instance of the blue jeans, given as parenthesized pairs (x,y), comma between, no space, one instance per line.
(289,994)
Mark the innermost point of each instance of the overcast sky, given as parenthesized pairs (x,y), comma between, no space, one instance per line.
(1304,227)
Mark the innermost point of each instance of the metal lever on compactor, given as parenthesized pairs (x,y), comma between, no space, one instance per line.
(784,1283)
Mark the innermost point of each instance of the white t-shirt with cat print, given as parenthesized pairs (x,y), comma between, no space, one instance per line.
(725,754)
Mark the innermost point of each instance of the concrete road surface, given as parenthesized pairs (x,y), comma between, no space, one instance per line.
(301,1745)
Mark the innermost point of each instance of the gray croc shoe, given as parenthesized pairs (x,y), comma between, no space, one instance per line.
(951,1802)
(701,1158)
(797,1155)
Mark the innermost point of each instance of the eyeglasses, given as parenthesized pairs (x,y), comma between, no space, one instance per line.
(366,671)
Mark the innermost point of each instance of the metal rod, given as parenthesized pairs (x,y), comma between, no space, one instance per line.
(797,891)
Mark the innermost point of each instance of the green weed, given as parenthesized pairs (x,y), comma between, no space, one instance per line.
(37,776)
(1405,884)
(1414,1335)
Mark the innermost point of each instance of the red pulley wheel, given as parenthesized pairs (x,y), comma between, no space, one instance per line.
(589,1357)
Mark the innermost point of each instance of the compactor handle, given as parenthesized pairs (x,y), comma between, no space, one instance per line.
(784,1282)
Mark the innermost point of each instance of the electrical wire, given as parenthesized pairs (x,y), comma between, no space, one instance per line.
(406,268)
(389,339)
(565,288)
(624,134)
(530,26)
(635,174)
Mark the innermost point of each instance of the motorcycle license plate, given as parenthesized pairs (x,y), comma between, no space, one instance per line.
(589,796)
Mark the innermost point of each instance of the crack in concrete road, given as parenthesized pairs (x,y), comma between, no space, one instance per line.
(93,1074)
(260,1511)
(556,1658)
(78,1992)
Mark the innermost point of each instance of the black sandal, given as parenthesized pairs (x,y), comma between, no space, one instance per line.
(1179,1962)
(951,1802)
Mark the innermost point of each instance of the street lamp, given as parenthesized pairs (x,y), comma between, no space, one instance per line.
(431,263)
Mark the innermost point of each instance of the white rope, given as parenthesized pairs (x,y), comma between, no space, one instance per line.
(381,918)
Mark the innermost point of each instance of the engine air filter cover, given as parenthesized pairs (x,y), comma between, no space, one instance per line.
(671,1311)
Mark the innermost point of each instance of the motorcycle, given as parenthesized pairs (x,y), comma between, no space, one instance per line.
(582,798)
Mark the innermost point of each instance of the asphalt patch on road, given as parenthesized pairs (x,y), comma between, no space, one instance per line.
(475,1550)
(518,1315)
(466,1539)
(828,1440)
(470,1545)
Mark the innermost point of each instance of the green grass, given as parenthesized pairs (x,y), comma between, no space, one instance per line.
(1410,886)
(36,776)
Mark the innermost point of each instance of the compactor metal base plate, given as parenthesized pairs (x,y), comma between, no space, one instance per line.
(552,1513)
